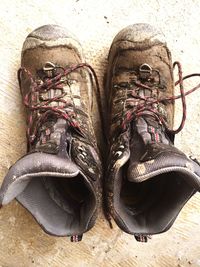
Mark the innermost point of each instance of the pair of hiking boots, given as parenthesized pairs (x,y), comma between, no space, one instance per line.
(146,179)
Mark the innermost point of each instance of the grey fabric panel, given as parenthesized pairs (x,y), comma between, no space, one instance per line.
(57,215)
(49,215)
(14,190)
(18,176)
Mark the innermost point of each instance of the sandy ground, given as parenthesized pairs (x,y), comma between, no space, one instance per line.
(22,242)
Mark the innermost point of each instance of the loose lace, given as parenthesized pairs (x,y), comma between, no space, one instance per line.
(148,102)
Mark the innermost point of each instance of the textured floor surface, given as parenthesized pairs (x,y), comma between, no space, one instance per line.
(22,242)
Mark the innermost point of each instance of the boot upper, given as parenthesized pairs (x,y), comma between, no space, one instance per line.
(58,181)
(148,179)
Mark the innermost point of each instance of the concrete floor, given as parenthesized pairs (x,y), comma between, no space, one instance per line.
(22,242)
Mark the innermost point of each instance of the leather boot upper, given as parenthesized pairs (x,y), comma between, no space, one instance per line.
(148,179)
(58,180)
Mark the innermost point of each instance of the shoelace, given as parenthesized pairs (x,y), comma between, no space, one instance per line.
(148,102)
(59,111)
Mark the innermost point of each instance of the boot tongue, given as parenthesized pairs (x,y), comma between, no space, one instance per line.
(51,132)
(149,138)
(151,131)
(156,151)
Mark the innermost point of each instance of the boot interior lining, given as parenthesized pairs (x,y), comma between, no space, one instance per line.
(151,206)
(62,206)
(72,192)
(138,197)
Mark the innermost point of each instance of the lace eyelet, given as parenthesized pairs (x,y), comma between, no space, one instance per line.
(81,156)
(81,149)
(118,154)
(82,153)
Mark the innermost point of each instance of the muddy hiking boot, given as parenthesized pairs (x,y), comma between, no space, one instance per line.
(148,179)
(58,180)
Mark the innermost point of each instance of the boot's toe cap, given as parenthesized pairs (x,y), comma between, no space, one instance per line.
(139,33)
(52,36)
(138,37)
(51,32)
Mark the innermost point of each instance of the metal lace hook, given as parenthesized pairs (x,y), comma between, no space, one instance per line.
(49,68)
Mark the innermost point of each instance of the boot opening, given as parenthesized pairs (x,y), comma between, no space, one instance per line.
(54,191)
(151,206)
(71,194)
(62,206)
(138,197)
